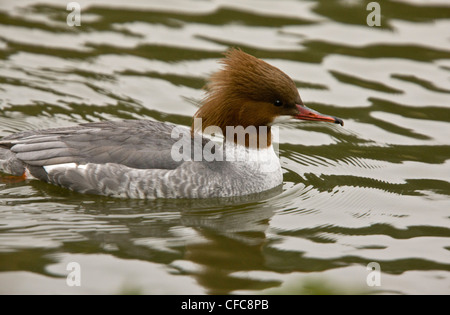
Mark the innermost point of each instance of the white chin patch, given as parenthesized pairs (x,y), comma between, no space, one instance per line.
(282,119)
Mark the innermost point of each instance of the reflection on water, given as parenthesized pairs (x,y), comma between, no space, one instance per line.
(375,190)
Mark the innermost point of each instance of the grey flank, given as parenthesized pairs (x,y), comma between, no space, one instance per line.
(129,158)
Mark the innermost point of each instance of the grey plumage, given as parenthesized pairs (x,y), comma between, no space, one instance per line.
(10,164)
(137,144)
(126,159)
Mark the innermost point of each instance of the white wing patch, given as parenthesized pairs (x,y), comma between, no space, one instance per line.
(49,168)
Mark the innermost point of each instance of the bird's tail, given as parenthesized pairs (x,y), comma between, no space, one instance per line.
(9,163)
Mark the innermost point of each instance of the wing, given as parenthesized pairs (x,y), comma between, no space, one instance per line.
(128,159)
(137,144)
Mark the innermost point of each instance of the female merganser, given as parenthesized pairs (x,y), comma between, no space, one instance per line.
(148,159)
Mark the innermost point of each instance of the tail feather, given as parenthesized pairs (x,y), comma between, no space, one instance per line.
(10,164)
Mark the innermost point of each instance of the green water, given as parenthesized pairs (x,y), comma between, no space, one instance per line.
(375,190)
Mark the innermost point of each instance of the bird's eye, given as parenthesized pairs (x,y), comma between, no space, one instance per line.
(278,103)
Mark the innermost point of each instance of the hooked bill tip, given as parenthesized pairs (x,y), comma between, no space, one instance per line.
(338,121)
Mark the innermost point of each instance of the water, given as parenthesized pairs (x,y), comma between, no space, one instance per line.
(375,190)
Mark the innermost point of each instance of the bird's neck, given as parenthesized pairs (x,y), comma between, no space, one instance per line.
(249,136)
(227,116)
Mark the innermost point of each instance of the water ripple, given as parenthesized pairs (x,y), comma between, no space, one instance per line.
(374,190)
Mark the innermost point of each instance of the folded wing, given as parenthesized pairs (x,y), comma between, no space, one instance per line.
(136,144)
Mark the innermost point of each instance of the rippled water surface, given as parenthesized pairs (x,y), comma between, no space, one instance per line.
(375,190)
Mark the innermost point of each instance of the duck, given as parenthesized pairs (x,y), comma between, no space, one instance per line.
(226,152)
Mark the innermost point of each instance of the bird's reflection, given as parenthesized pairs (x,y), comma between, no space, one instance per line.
(230,235)
(233,242)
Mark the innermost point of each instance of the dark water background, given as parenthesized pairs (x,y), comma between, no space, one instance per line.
(375,190)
